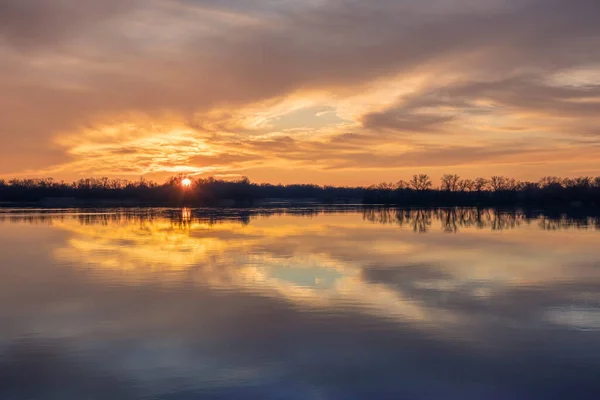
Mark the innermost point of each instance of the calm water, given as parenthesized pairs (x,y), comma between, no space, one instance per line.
(298,304)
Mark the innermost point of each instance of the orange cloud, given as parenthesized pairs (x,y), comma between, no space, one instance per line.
(130,88)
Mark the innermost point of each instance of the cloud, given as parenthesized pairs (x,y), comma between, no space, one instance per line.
(37,24)
(217,63)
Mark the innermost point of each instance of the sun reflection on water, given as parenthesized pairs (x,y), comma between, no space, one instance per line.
(206,298)
(331,261)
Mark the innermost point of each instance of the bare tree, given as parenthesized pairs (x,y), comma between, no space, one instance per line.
(529,186)
(551,181)
(402,184)
(386,186)
(581,182)
(104,182)
(450,182)
(117,184)
(512,184)
(480,184)
(420,182)
(498,183)
(466,185)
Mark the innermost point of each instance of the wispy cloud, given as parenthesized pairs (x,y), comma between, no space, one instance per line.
(83,83)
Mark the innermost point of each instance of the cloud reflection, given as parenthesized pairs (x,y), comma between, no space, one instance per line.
(276,305)
(286,257)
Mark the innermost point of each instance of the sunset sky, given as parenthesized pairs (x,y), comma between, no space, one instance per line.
(343,92)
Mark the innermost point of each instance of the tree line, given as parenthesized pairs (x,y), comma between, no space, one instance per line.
(419,191)
(202,192)
(493,191)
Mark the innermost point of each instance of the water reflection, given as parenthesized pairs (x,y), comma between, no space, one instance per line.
(304,303)
(419,220)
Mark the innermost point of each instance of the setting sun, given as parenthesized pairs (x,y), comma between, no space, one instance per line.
(186,182)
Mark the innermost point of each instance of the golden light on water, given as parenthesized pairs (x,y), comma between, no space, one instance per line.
(253,258)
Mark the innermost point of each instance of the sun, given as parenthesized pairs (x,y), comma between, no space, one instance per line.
(186,182)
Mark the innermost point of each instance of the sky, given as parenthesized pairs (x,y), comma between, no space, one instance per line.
(342,92)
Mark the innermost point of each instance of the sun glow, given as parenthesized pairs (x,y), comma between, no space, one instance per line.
(186,182)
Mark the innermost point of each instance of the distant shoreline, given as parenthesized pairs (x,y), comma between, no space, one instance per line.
(51,203)
(498,191)
(431,201)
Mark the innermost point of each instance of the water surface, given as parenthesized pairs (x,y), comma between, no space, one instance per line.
(298,304)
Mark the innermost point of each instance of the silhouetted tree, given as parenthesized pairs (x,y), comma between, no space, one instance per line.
(402,185)
(450,182)
(498,183)
(501,191)
(420,182)
(551,182)
(580,182)
(480,184)
(466,185)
